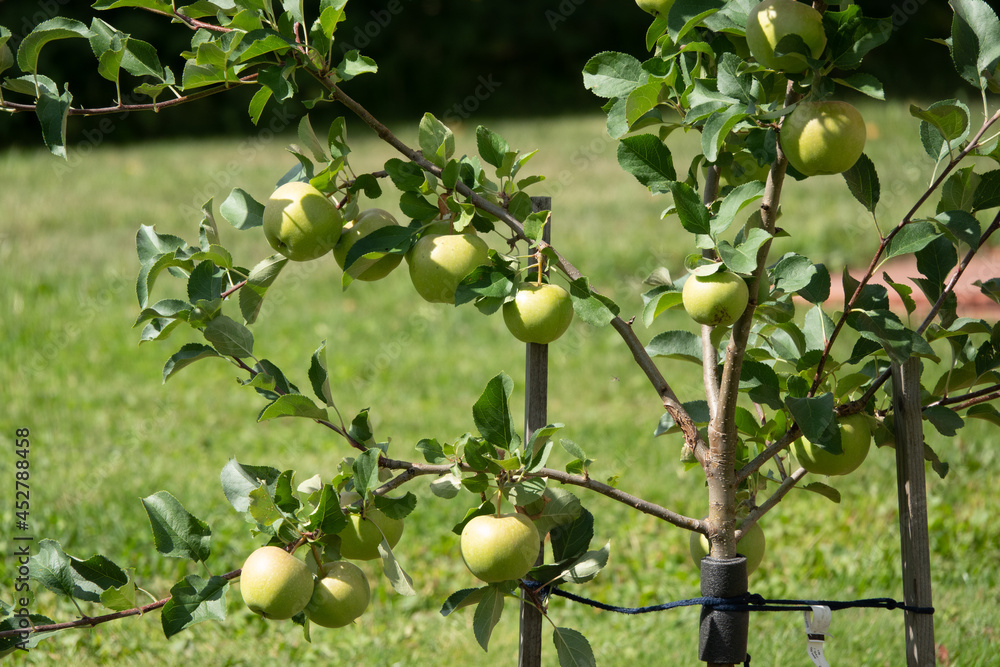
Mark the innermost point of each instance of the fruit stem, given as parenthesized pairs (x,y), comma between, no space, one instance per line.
(541,267)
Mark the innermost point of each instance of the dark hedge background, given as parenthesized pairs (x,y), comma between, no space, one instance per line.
(454,58)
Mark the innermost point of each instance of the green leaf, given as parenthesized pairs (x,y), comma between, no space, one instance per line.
(681,345)
(960,227)
(258,102)
(658,300)
(988,193)
(813,415)
(975,46)
(527,491)
(260,279)
(407,176)
(354,64)
(738,198)
(862,181)
(242,211)
(463,598)
(944,125)
(863,83)
(120,598)
(65,575)
(693,214)
(365,468)
(393,571)
(229,337)
(743,258)
(822,489)
(446,486)
(491,146)
(42,34)
(262,41)
(206,281)
(686,14)
(911,238)
(293,405)
(563,507)
(239,480)
(391,239)
(176,532)
(647,158)
(432,451)
(884,328)
(945,420)
(487,614)
(717,128)
(594,309)
(194,600)
(187,355)
(573,648)
(319,376)
(492,416)
(437,142)
(572,540)
(852,35)
(52,111)
(611,74)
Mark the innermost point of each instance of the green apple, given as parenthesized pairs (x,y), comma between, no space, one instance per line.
(275,584)
(717,299)
(301,223)
(500,548)
(439,262)
(655,7)
(823,137)
(366,268)
(771,20)
(751,545)
(742,169)
(341,595)
(855,441)
(360,539)
(538,313)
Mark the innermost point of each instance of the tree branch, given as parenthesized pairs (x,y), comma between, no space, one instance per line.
(849,303)
(92,621)
(122,108)
(670,401)
(413,470)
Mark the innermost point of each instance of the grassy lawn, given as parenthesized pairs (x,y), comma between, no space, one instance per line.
(105,431)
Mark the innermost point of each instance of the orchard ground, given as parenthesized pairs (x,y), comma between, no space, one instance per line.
(105,432)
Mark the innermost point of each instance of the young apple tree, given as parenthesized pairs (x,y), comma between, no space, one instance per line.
(761,85)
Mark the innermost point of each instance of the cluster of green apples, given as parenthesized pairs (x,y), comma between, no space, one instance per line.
(820,136)
(277,585)
(302,224)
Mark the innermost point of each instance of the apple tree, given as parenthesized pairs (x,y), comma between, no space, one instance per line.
(761,85)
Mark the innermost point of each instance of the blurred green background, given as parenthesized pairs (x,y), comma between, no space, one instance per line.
(106,432)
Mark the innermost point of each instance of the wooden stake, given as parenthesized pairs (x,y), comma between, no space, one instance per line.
(913,535)
(536,380)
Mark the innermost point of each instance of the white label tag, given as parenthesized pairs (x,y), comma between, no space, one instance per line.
(817,623)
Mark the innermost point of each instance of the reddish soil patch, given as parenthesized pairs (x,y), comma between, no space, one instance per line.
(971,301)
